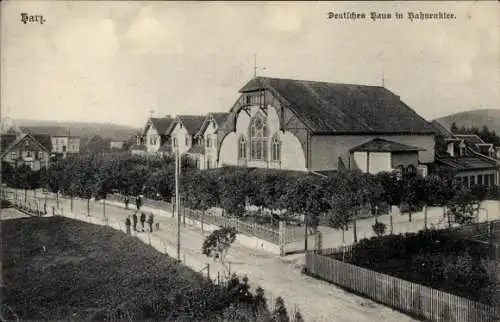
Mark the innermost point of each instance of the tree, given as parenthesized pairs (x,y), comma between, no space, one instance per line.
(463,207)
(306,196)
(454,128)
(233,189)
(341,212)
(379,228)
(217,245)
(22,178)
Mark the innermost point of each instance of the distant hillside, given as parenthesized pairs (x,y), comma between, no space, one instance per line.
(478,118)
(83,129)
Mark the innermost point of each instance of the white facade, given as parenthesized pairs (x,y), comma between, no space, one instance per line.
(73,145)
(152,140)
(59,144)
(258,142)
(180,138)
(211,146)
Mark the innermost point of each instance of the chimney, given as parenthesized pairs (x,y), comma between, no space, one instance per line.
(451,148)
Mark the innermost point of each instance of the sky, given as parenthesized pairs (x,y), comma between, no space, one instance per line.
(116,61)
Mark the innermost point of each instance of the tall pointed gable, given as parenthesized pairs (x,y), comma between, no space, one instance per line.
(218,118)
(161,124)
(192,122)
(332,108)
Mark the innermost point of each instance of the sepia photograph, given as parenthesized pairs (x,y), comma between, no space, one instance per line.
(269,161)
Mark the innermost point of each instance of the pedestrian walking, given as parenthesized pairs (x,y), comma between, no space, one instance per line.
(143,219)
(45,208)
(126,202)
(134,220)
(150,221)
(127,224)
(138,202)
(157,226)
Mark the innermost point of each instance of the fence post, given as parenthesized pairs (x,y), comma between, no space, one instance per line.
(425,217)
(390,222)
(173,206)
(202,217)
(183,215)
(319,242)
(282,234)
(208,270)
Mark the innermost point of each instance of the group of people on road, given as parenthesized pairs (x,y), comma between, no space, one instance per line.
(133,223)
(138,202)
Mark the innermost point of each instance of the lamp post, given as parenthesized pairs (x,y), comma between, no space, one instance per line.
(177,199)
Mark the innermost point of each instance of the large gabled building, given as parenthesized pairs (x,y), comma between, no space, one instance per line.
(318,126)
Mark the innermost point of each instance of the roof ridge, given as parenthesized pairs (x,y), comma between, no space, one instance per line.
(320,82)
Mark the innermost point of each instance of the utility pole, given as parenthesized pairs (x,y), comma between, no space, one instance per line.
(177,199)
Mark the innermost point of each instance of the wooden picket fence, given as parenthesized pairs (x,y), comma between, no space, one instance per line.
(415,299)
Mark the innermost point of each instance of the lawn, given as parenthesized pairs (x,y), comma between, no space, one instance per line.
(58,269)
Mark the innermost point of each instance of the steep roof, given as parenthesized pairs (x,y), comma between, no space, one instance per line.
(441,130)
(9,141)
(48,130)
(44,139)
(382,145)
(220,117)
(328,108)
(464,163)
(192,122)
(161,124)
(471,160)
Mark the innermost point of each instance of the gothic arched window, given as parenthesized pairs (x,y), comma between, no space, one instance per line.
(276,149)
(242,148)
(258,138)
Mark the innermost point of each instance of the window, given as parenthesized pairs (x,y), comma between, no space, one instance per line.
(13,154)
(492,179)
(40,155)
(209,161)
(480,179)
(207,142)
(214,142)
(175,142)
(197,161)
(187,141)
(242,148)
(486,181)
(276,149)
(258,138)
(28,154)
(471,181)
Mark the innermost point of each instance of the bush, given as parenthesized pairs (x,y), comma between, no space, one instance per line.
(441,259)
